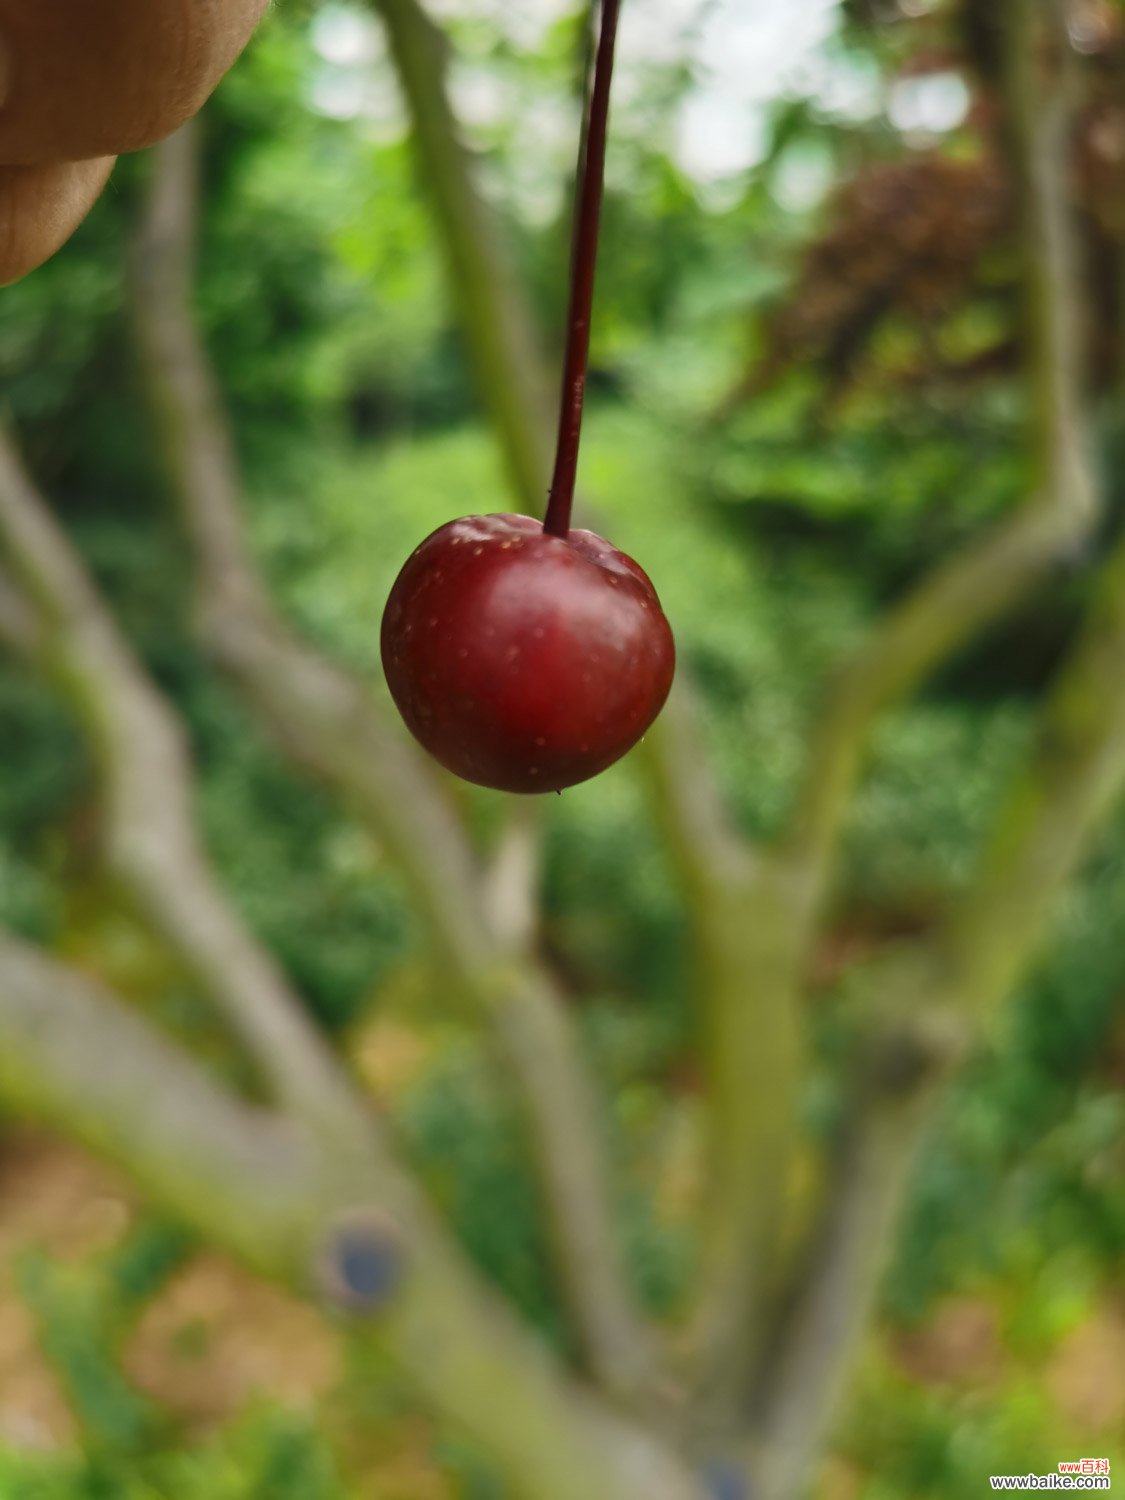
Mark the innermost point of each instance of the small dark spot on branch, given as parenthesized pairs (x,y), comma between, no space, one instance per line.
(722,1481)
(361,1263)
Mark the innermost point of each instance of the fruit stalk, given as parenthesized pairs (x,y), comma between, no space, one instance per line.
(591,177)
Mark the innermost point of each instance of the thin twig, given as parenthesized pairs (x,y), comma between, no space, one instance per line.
(587,219)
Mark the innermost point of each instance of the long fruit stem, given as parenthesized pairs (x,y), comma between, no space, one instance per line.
(591,176)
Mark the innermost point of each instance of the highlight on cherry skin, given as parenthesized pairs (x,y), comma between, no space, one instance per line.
(521,660)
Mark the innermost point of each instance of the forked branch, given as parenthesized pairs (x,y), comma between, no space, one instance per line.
(800,1391)
(964,974)
(147,782)
(305,1210)
(75,1056)
(948,986)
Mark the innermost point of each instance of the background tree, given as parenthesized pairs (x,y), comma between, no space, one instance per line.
(815,983)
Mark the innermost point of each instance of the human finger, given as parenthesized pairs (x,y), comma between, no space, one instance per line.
(41,206)
(81,80)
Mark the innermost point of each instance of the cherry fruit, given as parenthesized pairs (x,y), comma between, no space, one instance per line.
(529,657)
(525,661)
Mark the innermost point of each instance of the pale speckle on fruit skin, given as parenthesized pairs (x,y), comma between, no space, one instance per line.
(462,653)
(540,742)
(538,634)
(432,622)
(477,551)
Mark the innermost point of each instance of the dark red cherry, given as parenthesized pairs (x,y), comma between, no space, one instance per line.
(522,660)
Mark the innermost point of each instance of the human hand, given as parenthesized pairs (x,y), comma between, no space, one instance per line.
(83,80)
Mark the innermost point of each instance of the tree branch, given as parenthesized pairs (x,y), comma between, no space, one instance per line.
(745,972)
(328,720)
(802,1374)
(871,1170)
(1046,826)
(753,1054)
(968,593)
(499,336)
(708,852)
(1041,88)
(314,1214)
(1054,809)
(948,609)
(76,1057)
(147,780)
(963,973)
(511,878)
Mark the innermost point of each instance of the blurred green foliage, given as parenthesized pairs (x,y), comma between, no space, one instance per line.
(84,1315)
(266,1455)
(773,537)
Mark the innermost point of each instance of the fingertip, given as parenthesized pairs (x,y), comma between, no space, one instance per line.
(41,207)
